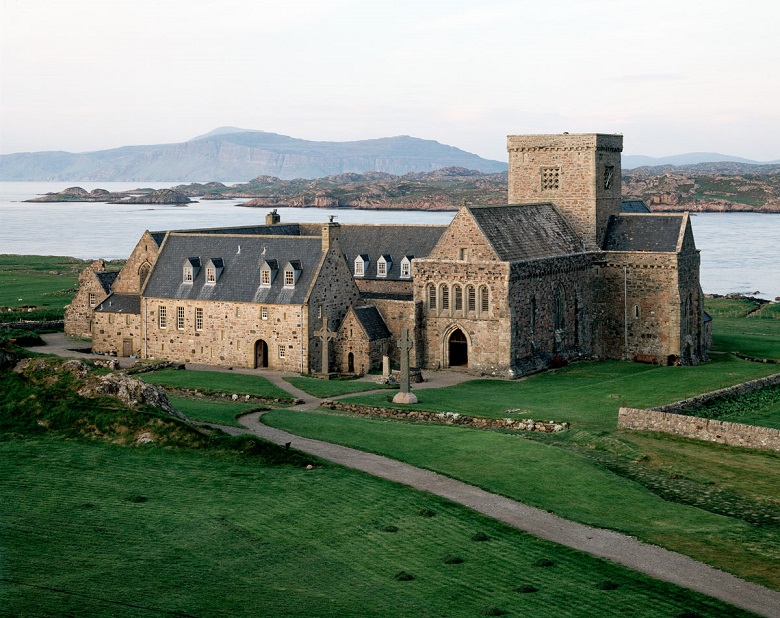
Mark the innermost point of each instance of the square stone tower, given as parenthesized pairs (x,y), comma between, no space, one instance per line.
(579,173)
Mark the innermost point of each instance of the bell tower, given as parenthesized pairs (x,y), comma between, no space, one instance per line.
(578,173)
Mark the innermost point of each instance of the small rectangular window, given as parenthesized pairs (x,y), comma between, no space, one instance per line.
(263,313)
(432,297)
(405,270)
(289,278)
(445,298)
(180,318)
(358,268)
(127,320)
(198,318)
(485,300)
(211,275)
(163,317)
(281,351)
(458,298)
(92,300)
(381,269)
(266,277)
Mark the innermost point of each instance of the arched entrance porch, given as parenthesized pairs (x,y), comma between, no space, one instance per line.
(458,349)
(261,354)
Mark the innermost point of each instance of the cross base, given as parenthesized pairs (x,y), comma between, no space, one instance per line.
(326,376)
(406,398)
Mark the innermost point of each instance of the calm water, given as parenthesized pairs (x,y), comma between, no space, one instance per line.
(740,251)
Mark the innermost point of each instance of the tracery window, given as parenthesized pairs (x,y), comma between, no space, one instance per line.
(458,293)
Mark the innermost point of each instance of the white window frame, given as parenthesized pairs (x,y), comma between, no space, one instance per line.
(92,299)
(289,278)
(198,318)
(179,318)
(265,277)
(381,268)
(187,276)
(359,267)
(406,269)
(162,317)
(282,351)
(263,313)
(211,275)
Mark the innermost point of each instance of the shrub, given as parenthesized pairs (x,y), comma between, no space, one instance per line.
(607,584)
(452,559)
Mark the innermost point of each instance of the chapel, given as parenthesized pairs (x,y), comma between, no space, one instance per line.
(566,270)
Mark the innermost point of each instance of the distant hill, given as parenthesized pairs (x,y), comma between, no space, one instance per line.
(230,153)
(690,158)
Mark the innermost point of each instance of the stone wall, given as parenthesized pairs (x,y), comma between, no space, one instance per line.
(676,418)
(400,314)
(141,261)
(78,315)
(583,177)
(384,286)
(111,331)
(449,418)
(733,434)
(352,339)
(48,325)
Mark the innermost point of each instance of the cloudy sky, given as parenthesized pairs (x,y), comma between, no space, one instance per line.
(673,76)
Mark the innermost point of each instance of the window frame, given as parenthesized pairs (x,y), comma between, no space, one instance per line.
(162,317)
(198,318)
(180,323)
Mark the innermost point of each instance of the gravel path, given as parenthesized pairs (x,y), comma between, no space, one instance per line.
(628,551)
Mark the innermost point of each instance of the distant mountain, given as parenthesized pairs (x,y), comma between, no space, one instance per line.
(230,153)
(690,158)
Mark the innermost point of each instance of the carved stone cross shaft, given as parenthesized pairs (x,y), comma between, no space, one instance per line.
(404,345)
(326,335)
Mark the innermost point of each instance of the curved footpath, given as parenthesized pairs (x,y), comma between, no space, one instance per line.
(648,559)
(628,551)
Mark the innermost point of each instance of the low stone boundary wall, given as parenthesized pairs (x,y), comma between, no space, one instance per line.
(53,324)
(733,434)
(677,418)
(694,403)
(449,418)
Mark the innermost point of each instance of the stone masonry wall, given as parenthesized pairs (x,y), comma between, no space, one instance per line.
(229,335)
(400,314)
(535,287)
(652,318)
(78,315)
(384,286)
(580,174)
(111,330)
(144,254)
(352,338)
(676,418)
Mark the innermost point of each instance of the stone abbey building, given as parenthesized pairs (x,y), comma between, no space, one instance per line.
(566,270)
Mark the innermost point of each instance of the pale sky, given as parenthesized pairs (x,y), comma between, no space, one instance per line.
(673,76)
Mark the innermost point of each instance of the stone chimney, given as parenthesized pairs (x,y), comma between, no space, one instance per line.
(272,218)
(330,233)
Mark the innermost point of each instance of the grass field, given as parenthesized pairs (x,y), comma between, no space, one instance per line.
(586,394)
(211,411)
(101,530)
(331,388)
(573,485)
(216,382)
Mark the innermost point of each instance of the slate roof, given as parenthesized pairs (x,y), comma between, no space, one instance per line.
(158,237)
(120,303)
(395,241)
(634,206)
(527,231)
(106,279)
(631,232)
(240,279)
(372,322)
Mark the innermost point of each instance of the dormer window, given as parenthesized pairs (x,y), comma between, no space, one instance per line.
(406,267)
(191,269)
(291,273)
(383,265)
(268,270)
(361,264)
(214,268)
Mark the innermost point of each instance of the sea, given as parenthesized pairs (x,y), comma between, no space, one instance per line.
(740,252)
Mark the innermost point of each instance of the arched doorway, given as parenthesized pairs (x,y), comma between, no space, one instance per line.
(458,349)
(350,363)
(261,354)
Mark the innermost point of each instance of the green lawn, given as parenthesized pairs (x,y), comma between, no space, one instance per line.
(91,528)
(729,307)
(216,382)
(755,337)
(585,394)
(210,411)
(568,483)
(760,407)
(331,388)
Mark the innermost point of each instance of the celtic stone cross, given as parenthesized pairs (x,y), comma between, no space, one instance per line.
(404,345)
(326,335)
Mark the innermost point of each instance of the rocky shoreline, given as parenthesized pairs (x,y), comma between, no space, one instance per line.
(136,196)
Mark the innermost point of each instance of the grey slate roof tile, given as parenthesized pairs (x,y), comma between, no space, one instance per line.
(372,322)
(106,279)
(240,280)
(636,232)
(120,303)
(527,231)
(634,206)
(392,241)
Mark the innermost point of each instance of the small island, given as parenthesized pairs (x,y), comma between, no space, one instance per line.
(137,196)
